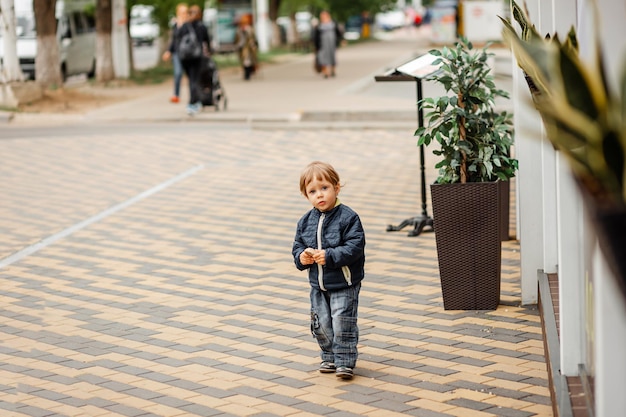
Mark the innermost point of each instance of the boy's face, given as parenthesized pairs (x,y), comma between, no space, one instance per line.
(322,194)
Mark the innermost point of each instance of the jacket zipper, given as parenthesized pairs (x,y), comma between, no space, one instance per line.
(320,269)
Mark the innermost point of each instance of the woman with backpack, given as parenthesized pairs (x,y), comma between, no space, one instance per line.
(194,43)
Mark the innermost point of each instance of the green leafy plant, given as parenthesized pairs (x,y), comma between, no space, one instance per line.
(475,140)
(583,119)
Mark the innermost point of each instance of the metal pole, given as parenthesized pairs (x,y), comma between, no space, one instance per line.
(420,120)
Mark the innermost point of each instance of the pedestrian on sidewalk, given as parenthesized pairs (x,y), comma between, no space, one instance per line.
(194,36)
(330,243)
(182,15)
(327,37)
(247,46)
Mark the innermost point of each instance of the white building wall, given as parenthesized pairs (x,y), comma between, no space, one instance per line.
(545,24)
(528,150)
(578,258)
(571,271)
(570,231)
(610,306)
(610,326)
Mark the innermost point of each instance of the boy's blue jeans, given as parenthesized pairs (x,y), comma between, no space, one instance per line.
(333,324)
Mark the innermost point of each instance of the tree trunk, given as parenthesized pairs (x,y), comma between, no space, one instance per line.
(47,62)
(104,61)
(10,70)
(274,6)
(293,36)
(463,136)
(104,50)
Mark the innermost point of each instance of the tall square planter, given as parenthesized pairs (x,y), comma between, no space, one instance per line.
(467,232)
(505,207)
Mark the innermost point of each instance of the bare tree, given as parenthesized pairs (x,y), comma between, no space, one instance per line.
(47,67)
(10,69)
(104,49)
(274,6)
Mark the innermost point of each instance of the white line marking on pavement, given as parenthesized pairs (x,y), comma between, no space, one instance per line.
(29,250)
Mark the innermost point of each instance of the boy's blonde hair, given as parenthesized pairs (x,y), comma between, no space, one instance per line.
(318,170)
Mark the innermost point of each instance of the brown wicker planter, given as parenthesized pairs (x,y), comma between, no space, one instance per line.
(505,207)
(467,232)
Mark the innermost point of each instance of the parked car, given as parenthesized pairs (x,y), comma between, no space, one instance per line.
(143,29)
(390,20)
(76,34)
(303,25)
(354,25)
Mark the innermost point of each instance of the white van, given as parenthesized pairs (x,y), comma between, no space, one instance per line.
(76,33)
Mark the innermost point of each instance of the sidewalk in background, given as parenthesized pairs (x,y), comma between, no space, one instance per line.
(290,91)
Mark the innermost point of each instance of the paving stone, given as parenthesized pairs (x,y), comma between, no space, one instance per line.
(282,399)
(126,410)
(33,411)
(417,412)
(358,398)
(101,402)
(540,382)
(171,402)
(159,303)
(219,393)
(472,361)
(342,414)
(432,386)
(201,410)
(398,407)
(508,412)
(470,404)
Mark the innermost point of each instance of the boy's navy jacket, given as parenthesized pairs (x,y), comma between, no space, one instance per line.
(343,239)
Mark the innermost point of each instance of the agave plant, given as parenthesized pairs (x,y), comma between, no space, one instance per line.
(583,119)
(475,139)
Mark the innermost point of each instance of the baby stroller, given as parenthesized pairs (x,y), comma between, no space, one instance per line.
(211,91)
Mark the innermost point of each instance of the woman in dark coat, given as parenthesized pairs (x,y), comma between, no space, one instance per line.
(327,37)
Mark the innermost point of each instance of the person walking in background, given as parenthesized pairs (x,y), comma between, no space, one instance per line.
(327,37)
(247,46)
(330,243)
(194,44)
(182,15)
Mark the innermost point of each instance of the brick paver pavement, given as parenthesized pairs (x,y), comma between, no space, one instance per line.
(164,285)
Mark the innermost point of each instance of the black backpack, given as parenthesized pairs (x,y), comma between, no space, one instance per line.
(189,46)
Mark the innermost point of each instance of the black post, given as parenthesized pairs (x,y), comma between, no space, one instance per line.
(420,121)
(415,70)
(418,222)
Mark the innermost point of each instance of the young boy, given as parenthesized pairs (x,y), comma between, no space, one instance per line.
(330,243)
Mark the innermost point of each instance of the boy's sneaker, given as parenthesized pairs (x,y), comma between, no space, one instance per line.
(344,372)
(327,367)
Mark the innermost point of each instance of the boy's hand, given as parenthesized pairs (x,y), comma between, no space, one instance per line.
(310,256)
(306,257)
(320,257)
